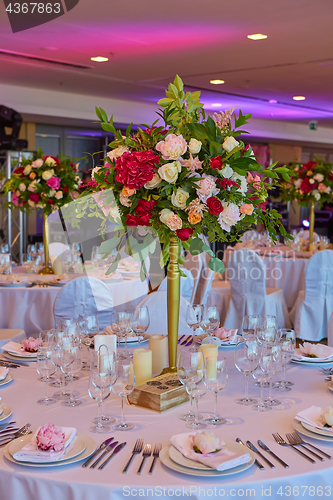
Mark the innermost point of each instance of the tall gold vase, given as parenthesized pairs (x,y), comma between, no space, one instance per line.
(47,269)
(173,299)
(312,220)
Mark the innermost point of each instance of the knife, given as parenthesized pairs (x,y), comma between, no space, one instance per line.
(119,447)
(181,338)
(264,447)
(253,448)
(186,340)
(107,449)
(100,448)
(9,430)
(259,464)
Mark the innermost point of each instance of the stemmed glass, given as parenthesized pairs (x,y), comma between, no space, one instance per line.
(263,373)
(46,368)
(88,328)
(246,361)
(276,366)
(123,386)
(266,330)
(71,364)
(194,317)
(190,373)
(249,325)
(103,373)
(288,348)
(216,377)
(139,321)
(119,326)
(210,320)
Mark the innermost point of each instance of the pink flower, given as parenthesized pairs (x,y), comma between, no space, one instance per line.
(249,178)
(16,200)
(174,222)
(229,217)
(54,183)
(172,147)
(31,344)
(50,437)
(323,189)
(207,187)
(192,164)
(246,208)
(223,333)
(298,183)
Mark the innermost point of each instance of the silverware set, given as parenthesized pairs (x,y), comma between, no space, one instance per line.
(185,342)
(265,448)
(9,434)
(146,452)
(109,449)
(294,440)
(11,364)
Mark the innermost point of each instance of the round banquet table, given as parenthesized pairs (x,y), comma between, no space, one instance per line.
(71,482)
(31,309)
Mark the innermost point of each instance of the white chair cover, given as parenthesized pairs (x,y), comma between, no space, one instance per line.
(84,296)
(248,235)
(246,273)
(330,331)
(194,263)
(314,305)
(56,248)
(306,234)
(157,306)
(186,285)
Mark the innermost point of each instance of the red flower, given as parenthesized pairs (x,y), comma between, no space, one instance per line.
(216,163)
(144,207)
(309,165)
(64,189)
(50,201)
(330,176)
(35,197)
(306,187)
(262,205)
(18,170)
(135,169)
(214,205)
(184,233)
(131,220)
(143,220)
(225,183)
(74,167)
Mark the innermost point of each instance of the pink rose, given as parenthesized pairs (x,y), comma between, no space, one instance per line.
(298,183)
(229,217)
(31,344)
(323,189)
(174,222)
(16,200)
(246,208)
(54,183)
(192,164)
(173,147)
(50,437)
(207,187)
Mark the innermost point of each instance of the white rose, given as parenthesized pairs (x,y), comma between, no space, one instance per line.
(178,198)
(22,186)
(37,163)
(154,182)
(31,203)
(50,162)
(164,214)
(27,170)
(316,194)
(169,171)
(229,144)
(328,416)
(48,174)
(194,146)
(58,195)
(240,179)
(94,171)
(226,172)
(312,181)
(52,193)
(319,177)
(32,186)
(119,151)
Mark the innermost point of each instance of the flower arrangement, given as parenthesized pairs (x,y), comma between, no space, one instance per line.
(309,183)
(50,437)
(46,182)
(31,344)
(188,177)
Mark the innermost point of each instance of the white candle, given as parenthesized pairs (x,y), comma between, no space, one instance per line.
(143,366)
(210,350)
(158,346)
(110,341)
(211,367)
(57,266)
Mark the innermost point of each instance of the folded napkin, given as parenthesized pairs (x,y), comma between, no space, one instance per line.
(30,452)
(16,348)
(107,330)
(3,372)
(313,416)
(225,335)
(313,351)
(222,460)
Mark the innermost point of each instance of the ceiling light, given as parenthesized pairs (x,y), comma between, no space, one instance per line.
(299,98)
(257,36)
(217,105)
(99,59)
(216,82)
(272,101)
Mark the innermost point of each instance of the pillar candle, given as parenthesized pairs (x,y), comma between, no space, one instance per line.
(143,366)
(158,346)
(210,350)
(57,266)
(211,367)
(110,341)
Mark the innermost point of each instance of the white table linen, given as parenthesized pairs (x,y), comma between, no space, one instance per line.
(75,483)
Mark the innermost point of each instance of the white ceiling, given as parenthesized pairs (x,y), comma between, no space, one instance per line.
(149,41)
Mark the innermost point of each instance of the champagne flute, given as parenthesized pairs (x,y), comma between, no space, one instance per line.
(210,320)
(216,377)
(277,364)
(190,373)
(263,373)
(288,348)
(123,386)
(194,317)
(45,368)
(71,364)
(139,321)
(246,361)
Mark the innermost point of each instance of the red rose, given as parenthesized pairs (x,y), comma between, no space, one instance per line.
(225,183)
(143,207)
(50,201)
(131,220)
(309,165)
(184,233)
(214,205)
(135,169)
(330,176)
(143,220)
(216,163)
(306,187)
(74,167)
(34,197)
(18,170)
(64,189)
(262,205)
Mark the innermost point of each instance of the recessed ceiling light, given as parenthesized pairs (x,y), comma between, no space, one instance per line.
(217,105)
(272,101)
(99,59)
(216,82)
(299,98)
(257,36)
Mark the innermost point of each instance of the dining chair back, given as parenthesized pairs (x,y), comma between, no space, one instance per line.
(56,248)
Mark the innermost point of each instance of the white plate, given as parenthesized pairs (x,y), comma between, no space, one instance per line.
(133,340)
(7,411)
(90,447)
(76,447)
(8,379)
(307,432)
(28,355)
(166,460)
(14,285)
(313,360)
(224,343)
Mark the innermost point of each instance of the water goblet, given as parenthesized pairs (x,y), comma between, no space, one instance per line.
(210,320)
(288,347)
(246,361)
(45,368)
(122,387)
(216,377)
(139,321)
(194,317)
(71,364)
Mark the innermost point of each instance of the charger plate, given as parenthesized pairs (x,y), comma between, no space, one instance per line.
(6,380)
(298,426)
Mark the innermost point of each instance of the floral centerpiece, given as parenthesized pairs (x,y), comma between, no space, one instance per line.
(187,177)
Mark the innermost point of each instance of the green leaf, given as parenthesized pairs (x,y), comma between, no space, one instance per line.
(128,130)
(211,128)
(164,102)
(178,83)
(271,174)
(215,149)
(208,250)
(108,127)
(103,115)
(114,264)
(216,265)
(98,114)
(286,177)
(109,245)
(196,246)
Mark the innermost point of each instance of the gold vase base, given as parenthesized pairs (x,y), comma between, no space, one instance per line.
(169,369)
(46,270)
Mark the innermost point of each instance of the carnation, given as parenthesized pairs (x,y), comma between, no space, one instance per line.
(137,168)
(54,183)
(207,187)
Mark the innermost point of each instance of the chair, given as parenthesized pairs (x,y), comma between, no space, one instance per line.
(249,294)
(157,306)
(186,285)
(330,331)
(314,305)
(194,263)
(84,296)
(11,334)
(248,235)
(306,234)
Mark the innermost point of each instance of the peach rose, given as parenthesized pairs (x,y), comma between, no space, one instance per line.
(124,200)
(37,163)
(173,147)
(323,189)
(58,195)
(154,182)
(246,208)
(127,191)
(194,218)
(32,175)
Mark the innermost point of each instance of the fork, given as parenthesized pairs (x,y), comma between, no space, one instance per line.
(295,441)
(136,449)
(156,452)
(146,453)
(279,439)
(300,441)
(21,432)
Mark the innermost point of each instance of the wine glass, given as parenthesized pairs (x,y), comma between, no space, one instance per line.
(190,373)
(88,328)
(210,320)
(71,364)
(123,386)
(288,347)
(45,368)
(139,321)
(246,361)
(249,326)
(277,364)
(216,377)
(266,330)
(263,373)
(56,355)
(194,317)
(103,373)
(119,326)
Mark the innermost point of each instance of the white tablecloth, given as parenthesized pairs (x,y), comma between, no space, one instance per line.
(32,308)
(71,482)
